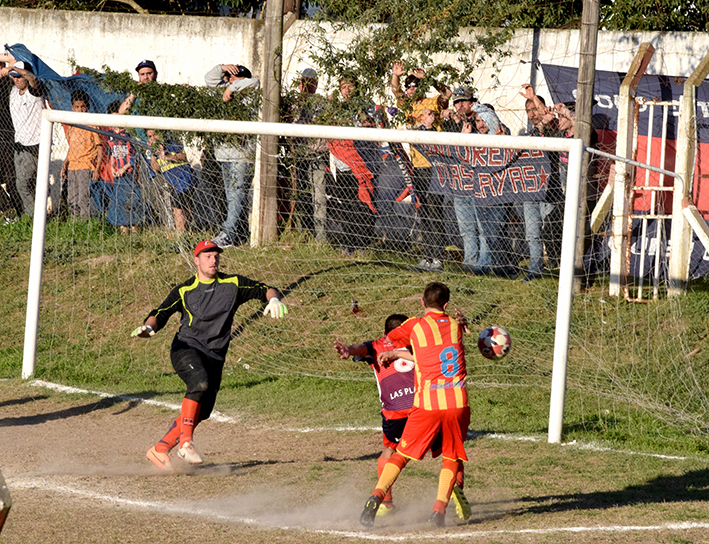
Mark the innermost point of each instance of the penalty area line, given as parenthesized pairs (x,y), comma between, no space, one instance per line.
(191,510)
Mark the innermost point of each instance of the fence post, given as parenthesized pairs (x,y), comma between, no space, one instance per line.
(623,178)
(681,237)
(264,213)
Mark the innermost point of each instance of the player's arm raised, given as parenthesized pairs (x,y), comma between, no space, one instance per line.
(462,320)
(345,351)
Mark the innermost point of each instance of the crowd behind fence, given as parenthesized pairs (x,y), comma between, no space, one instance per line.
(494,212)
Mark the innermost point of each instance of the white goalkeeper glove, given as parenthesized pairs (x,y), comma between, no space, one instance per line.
(276,309)
(143,328)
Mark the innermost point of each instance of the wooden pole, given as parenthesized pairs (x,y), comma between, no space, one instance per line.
(264,216)
(681,235)
(583,127)
(622,178)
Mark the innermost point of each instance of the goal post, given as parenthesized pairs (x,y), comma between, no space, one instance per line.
(573,147)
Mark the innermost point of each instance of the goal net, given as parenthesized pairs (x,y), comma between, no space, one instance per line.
(361,229)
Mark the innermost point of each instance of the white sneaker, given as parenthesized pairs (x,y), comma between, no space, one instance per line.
(423,266)
(430,265)
(188,453)
(222,240)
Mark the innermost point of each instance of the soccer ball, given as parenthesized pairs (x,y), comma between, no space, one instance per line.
(494,343)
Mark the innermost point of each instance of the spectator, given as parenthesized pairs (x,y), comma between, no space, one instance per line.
(83,161)
(125,202)
(9,197)
(146,72)
(490,218)
(535,213)
(350,195)
(463,102)
(26,105)
(309,203)
(432,225)
(565,114)
(236,160)
(169,158)
(463,120)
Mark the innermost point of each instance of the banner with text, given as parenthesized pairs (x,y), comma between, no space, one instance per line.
(491,175)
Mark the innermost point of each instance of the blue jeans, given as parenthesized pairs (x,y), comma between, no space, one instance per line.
(237,179)
(474,242)
(491,219)
(534,214)
(125,203)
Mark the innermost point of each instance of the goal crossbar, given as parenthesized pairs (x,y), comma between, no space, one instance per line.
(574,148)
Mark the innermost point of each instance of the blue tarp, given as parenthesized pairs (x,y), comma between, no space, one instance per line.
(59,88)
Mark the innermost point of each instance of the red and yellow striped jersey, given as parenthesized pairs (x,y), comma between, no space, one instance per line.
(437,343)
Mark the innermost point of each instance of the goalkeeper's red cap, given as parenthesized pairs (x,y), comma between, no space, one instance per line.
(206,245)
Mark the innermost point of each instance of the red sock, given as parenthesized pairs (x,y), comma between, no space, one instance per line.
(171,439)
(440,507)
(188,417)
(460,477)
(381,463)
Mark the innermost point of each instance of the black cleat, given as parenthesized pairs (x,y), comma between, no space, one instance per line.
(370,511)
(437,519)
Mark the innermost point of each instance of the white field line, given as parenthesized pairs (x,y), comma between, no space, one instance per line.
(191,510)
(222,418)
(215,416)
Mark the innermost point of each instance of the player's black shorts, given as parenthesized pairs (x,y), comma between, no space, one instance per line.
(202,375)
(393,428)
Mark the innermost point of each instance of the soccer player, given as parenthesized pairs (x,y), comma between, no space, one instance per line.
(207,302)
(440,400)
(395,381)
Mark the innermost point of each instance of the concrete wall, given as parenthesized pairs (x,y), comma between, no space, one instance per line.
(183,48)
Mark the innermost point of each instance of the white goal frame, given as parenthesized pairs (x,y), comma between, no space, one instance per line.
(574,147)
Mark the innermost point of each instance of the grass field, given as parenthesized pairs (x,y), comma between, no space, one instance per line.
(637,378)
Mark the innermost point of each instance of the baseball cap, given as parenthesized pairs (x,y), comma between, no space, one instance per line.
(309,73)
(242,71)
(206,245)
(411,81)
(146,64)
(462,93)
(22,66)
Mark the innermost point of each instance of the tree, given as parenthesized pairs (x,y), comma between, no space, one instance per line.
(624,15)
(416,32)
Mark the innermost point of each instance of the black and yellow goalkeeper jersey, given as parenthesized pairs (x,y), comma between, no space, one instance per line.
(208,309)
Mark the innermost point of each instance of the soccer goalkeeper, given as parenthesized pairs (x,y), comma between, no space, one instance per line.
(207,302)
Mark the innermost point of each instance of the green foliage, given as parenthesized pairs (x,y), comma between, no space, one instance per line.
(414,33)
(181,101)
(668,16)
(624,15)
(417,30)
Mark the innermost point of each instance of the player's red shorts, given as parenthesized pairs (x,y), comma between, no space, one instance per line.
(424,425)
